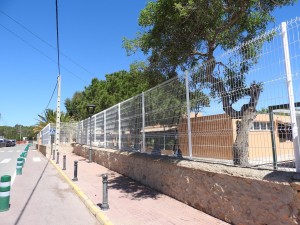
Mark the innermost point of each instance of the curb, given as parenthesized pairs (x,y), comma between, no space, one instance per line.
(88,203)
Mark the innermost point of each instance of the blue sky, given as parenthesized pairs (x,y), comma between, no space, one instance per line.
(90,34)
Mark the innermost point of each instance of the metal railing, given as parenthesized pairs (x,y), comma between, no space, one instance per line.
(67,133)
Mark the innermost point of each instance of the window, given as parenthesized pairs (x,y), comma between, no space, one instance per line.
(260,126)
(285,132)
(256,125)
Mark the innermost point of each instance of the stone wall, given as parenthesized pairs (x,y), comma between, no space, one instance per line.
(42,149)
(236,195)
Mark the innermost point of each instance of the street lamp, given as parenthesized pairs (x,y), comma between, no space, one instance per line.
(90,109)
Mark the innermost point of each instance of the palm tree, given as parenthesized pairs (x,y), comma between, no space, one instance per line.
(50,117)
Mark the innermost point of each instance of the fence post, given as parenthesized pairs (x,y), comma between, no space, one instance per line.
(95,127)
(291,95)
(120,130)
(143,123)
(274,153)
(188,111)
(104,120)
(81,133)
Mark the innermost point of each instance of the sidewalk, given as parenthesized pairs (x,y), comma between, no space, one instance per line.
(41,196)
(130,203)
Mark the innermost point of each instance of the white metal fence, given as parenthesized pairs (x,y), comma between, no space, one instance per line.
(240,108)
(67,133)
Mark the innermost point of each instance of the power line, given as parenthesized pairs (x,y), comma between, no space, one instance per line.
(41,52)
(51,97)
(48,44)
(44,54)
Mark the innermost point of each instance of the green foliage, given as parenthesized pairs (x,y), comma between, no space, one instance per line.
(180,34)
(116,88)
(17,131)
(50,117)
(263,111)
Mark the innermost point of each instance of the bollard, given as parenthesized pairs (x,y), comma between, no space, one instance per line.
(90,155)
(20,160)
(4,192)
(64,162)
(22,156)
(75,171)
(57,158)
(53,155)
(19,166)
(104,205)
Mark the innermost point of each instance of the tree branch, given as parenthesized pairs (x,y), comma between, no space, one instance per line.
(217,84)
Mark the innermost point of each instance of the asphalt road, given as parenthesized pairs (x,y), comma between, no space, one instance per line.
(8,160)
(40,196)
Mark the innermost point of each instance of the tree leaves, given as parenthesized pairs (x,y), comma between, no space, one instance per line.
(116,88)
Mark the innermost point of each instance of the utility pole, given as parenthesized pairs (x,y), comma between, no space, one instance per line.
(57,137)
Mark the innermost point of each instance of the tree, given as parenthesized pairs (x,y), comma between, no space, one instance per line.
(180,34)
(50,117)
(117,87)
(17,132)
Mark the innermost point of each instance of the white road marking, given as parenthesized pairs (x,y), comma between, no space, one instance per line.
(13,178)
(19,151)
(36,159)
(5,160)
(10,151)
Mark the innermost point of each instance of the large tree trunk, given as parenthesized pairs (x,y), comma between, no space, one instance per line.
(241,144)
(246,115)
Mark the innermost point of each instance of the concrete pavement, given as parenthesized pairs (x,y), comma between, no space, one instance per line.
(130,203)
(42,196)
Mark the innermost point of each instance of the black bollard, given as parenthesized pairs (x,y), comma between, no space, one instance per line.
(53,155)
(104,205)
(64,162)
(57,158)
(75,171)
(90,155)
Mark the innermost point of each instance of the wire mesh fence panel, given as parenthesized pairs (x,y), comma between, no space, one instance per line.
(131,124)
(45,135)
(112,127)
(68,131)
(99,130)
(79,135)
(165,106)
(90,126)
(242,85)
(84,134)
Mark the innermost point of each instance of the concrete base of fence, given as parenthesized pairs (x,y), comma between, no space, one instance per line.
(236,195)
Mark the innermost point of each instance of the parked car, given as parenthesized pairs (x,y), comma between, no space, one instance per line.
(10,143)
(2,143)
(14,141)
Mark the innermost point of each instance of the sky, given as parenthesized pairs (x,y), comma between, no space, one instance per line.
(90,40)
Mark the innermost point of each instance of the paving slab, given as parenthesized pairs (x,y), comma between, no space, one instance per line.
(130,203)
